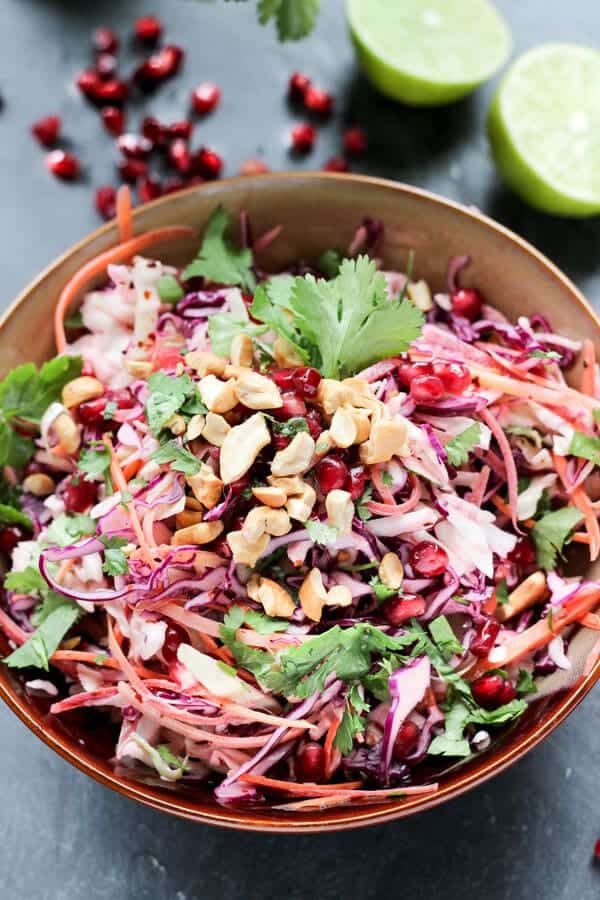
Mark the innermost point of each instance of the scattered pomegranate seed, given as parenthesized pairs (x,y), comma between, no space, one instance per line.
(318,101)
(454,376)
(336,164)
(9,538)
(488,690)
(46,130)
(106,201)
(428,559)
(355,141)
(309,764)
(132,169)
(134,146)
(303,138)
(205,98)
(180,156)
(408,371)
(91,412)
(63,165)
(485,638)
(182,129)
(293,406)
(88,81)
(254,167)
(148,29)
(123,398)
(106,65)
(105,41)
(315,423)
(113,92)
(79,495)
(406,740)
(174,636)
(148,189)
(161,65)
(597,850)
(467,302)
(331,474)
(425,388)
(154,130)
(396,610)
(307,381)
(207,163)
(356,482)
(113,119)
(298,86)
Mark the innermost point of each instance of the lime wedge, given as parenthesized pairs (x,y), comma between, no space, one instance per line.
(544,127)
(428,52)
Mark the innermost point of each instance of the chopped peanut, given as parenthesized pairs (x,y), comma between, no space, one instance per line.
(202,533)
(420,295)
(340,510)
(67,432)
(324,444)
(176,425)
(218,396)
(188,517)
(256,391)
(274,599)
(286,355)
(216,429)
(39,484)
(313,595)
(195,427)
(362,423)
(81,389)
(332,394)
(244,551)
(192,503)
(296,458)
(264,520)
(205,363)
(387,438)
(343,428)
(242,445)
(206,487)
(242,351)
(391,571)
(270,496)
(292,484)
(300,506)
(532,590)
(139,368)
(339,595)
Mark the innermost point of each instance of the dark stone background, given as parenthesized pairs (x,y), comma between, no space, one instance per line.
(528,834)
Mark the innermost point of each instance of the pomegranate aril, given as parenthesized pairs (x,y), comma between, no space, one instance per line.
(485,638)
(254,167)
(79,495)
(148,29)
(63,165)
(91,412)
(240,485)
(155,131)
(356,482)
(355,141)
(182,129)
(397,610)
(106,201)
(454,376)
(426,388)
(331,474)
(205,98)
(524,553)
(132,169)
(148,188)
(298,86)
(336,164)
(113,92)
(318,101)
(113,119)
(88,82)
(408,371)
(284,379)
(428,559)
(134,146)
(281,441)
(406,740)
(159,66)
(106,66)
(303,138)
(307,381)
(315,423)
(207,163)
(175,635)
(487,690)
(123,398)
(508,693)
(467,303)
(293,406)
(309,764)
(180,157)
(46,130)
(9,538)
(105,41)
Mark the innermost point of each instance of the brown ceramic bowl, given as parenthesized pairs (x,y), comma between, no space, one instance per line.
(317,211)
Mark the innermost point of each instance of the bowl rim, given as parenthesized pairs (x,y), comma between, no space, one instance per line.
(352,817)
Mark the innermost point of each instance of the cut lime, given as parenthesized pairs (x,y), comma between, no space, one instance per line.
(428,52)
(544,127)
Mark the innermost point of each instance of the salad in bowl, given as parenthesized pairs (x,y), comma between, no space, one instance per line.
(299,536)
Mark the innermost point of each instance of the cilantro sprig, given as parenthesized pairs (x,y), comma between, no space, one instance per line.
(459,447)
(294,18)
(170,394)
(551,533)
(218,260)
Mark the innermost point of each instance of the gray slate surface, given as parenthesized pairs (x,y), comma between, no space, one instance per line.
(528,834)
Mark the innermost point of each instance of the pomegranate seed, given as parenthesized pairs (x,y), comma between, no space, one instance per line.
(307,381)
(180,156)
(63,165)
(397,610)
(508,693)
(331,474)
(293,405)
(182,129)
(132,169)
(336,164)
(46,130)
(298,86)
(148,189)
(111,93)
(9,538)
(254,167)
(309,764)
(240,485)
(487,690)
(303,138)
(174,636)
(88,82)
(315,423)
(318,101)
(105,41)
(406,740)
(524,553)
(148,29)
(113,119)
(106,66)
(597,850)
(205,98)
(428,559)
(106,201)
(207,163)
(408,371)
(134,146)
(173,184)
(161,65)
(425,388)
(123,398)
(356,482)
(79,496)
(91,412)
(284,379)
(467,303)
(454,376)
(154,130)
(485,638)
(280,441)
(355,141)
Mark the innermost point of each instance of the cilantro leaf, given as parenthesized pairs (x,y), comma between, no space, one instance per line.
(387,478)
(444,637)
(525,431)
(353,721)
(320,532)
(502,593)
(169,289)
(271,305)
(288,428)
(181,460)
(544,354)
(525,683)
(263,624)
(15,449)
(459,447)
(115,561)
(29,581)
(223,327)
(551,532)
(452,742)
(67,529)
(294,18)
(585,447)
(382,591)
(109,410)
(258,662)
(362,510)
(170,394)
(167,755)
(329,263)
(94,462)
(218,260)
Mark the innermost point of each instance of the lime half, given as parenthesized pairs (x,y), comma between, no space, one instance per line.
(428,52)
(544,127)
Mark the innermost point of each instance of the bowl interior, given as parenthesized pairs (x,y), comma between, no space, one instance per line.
(317,212)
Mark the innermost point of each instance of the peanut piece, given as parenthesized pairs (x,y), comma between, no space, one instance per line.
(256,391)
(206,487)
(39,484)
(242,351)
(67,433)
(343,429)
(188,517)
(332,394)
(264,520)
(202,533)
(340,510)
(391,571)
(205,363)
(274,598)
(242,445)
(270,496)
(530,591)
(387,439)
(244,551)
(215,430)
(313,595)
(218,396)
(286,356)
(300,506)
(195,427)
(296,458)
(339,595)
(81,389)
(138,368)
(420,295)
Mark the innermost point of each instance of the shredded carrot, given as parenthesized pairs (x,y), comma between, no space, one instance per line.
(512,477)
(97,266)
(490,605)
(293,787)
(588,376)
(121,485)
(65,565)
(382,489)
(329,739)
(559,396)
(591,620)
(131,469)
(106,662)
(124,218)
(580,499)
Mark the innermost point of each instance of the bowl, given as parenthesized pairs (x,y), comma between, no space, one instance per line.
(317,211)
